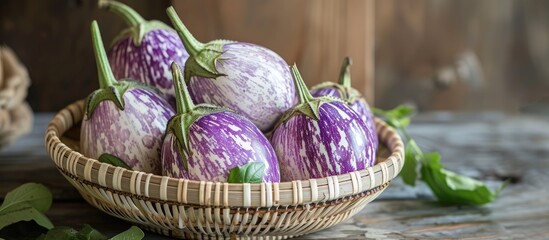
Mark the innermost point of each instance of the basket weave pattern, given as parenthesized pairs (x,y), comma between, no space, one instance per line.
(204,210)
(15,113)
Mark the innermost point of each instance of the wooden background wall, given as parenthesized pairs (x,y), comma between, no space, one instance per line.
(438,54)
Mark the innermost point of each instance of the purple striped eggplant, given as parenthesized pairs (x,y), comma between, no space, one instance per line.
(250,79)
(123,119)
(351,96)
(145,50)
(206,142)
(320,137)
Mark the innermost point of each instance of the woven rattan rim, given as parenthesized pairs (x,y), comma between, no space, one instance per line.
(202,193)
(238,209)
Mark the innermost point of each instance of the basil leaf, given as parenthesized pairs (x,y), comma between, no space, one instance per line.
(451,188)
(250,173)
(393,123)
(133,233)
(23,211)
(89,233)
(398,117)
(60,233)
(403,122)
(25,203)
(409,170)
(401,111)
(448,187)
(37,195)
(113,160)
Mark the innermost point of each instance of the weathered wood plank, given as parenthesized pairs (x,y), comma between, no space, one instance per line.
(521,212)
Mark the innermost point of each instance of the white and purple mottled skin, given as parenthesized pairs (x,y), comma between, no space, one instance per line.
(150,61)
(335,144)
(257,85)
(219,142)
(360,106)
(134,135)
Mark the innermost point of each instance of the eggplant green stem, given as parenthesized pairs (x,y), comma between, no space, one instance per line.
(303,94)
(345,73)
(192,45)
(104,72)
(130,16)
(182,97)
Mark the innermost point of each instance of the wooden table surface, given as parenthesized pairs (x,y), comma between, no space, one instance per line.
(488,146)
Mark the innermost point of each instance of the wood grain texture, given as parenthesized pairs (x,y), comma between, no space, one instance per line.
(439,55)
(316,35)
(490,147)
(462,55)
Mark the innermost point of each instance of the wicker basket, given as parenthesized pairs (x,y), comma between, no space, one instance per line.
(202,210)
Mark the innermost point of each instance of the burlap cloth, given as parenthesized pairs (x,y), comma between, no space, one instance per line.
(15,113)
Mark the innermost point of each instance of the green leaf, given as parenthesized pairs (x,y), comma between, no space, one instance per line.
(451,188)
(250,173)
(23,211)
(409,170)
(89,233)
(403,122)
(401,111)
(113,160)
(25,203)
(61,233)
(37,195)
(133,233)
(448,187)
(114,93)
(180,125)
(398,117)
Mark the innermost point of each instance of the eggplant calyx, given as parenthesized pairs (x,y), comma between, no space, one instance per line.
(202,57)
(203,64)
(138,32)
(348,94)
(343,86)
(310,109)
(307,104)
(114,93)
(187,114)
(109,87)
(180,126)
(353,95)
